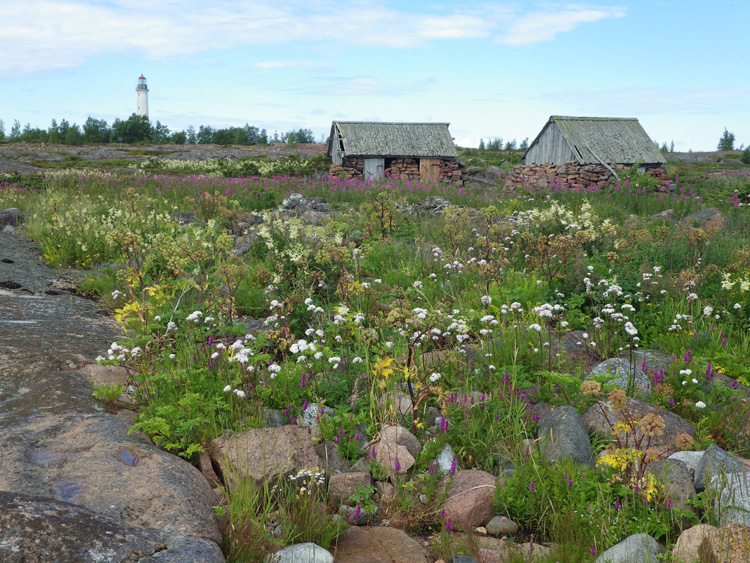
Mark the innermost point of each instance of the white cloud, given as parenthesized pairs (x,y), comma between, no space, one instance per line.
(278,65)
(361,85)
(44,35)
(545,25)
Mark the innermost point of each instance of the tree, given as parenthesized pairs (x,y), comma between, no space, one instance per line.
(191,137)
(136,129)
(73,135)
(482,145)
(96,131)
(15,131)
(159,134)
(2,130)
(178,138)
(524,144)
(726,143)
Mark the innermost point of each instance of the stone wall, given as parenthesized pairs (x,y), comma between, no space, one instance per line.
(451,171)
(573,174)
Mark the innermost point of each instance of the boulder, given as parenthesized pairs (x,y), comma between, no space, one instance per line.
(342,485)
(469,500)
(262,453)
(378,545)
(621,372)
(301,553)
(733,504)
(730,544)
(501,526)
(678,482)
(40,530)
(11,216)
(689,542)
(90,460)
(639,548)
(715,462)
(599,417)
(563,434)
(396,447)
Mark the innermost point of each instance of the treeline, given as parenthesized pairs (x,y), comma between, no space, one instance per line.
(497,145)
(138,129)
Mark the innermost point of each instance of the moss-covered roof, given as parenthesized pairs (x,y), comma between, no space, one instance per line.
(376,139)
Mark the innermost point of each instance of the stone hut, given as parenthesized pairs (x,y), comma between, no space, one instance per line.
(373,150)
(588,150)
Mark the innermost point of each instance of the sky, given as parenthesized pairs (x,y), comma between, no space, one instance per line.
(490,69)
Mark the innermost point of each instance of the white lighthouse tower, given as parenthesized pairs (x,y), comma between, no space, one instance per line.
(142,91)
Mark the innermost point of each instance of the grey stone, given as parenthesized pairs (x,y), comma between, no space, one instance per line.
(733,503)
(331,460)
(715,462)
(272,418)
(185,217)
(11,216)
(301,553)
(501,526)
(445,459)
(39,530)
(311,415)
(677,479)
(621,371)
(563,435)
(639,548)
(601,416)
(10,229)
(690,459)
(292,201)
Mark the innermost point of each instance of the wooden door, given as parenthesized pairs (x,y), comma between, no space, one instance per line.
(429,170)
(374,168)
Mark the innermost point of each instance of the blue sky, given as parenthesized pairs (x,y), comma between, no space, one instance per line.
(491,69)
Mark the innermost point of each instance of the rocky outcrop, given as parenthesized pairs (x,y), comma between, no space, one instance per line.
(71,477)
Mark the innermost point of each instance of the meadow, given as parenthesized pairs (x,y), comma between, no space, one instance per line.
(464,313)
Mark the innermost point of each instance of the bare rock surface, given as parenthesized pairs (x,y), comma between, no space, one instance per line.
(378,545)
(59,445)
(41,530)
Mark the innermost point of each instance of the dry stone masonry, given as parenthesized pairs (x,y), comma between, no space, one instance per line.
(573,174)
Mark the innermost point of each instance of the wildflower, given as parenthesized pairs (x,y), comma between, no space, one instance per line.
(116,294)
(684,441)
(454,466)
(172,356)
(630,329)
(707,311)
(486,299)
(535,327)
(448,526)
(396,466)
(618,399)
(591,387)
(239,393)
(670,504)
(700,405)
(434,377)
(227,389)
(532,486)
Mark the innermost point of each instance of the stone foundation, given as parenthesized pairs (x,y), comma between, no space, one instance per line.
(573,174)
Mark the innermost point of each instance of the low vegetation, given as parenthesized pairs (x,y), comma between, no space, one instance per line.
(463,311)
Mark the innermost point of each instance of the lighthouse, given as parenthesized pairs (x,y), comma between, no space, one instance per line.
(142,91)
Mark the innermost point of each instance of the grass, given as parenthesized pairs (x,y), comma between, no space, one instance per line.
(462,312)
